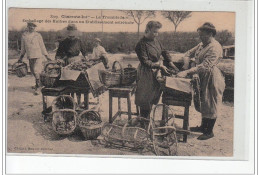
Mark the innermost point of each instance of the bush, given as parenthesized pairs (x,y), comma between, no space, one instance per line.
(125,42)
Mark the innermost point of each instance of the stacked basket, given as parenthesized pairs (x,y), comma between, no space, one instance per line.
(64,116)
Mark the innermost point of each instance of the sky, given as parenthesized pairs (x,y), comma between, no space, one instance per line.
(17,18)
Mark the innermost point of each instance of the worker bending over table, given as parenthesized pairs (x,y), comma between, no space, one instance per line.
(70,47)
(149,50)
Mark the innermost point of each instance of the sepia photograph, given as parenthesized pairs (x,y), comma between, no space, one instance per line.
(120,82)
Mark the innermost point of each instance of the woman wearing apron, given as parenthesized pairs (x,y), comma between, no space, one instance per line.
(149,50)
(206,56)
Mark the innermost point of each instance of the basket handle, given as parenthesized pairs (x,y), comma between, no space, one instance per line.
(152,117)
(65,110)
(121,68)
(125,125)
(84,112)
(15,64)
(47,64)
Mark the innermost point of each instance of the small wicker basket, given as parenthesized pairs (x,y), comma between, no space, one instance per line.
(111,77)
(90,124)
(64,121)
(20,69)
(51,74)
(129,75)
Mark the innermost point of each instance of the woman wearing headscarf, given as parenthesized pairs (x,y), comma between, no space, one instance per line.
(149,50)
(205,56)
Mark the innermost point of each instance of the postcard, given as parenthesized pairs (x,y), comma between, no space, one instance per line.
(121,82)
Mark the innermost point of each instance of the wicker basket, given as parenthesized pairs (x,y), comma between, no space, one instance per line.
(129,75)
(111,77)
(64,121)
(163,131)
(63,102)
(90,124)
(128,136)
(51,74)
(112,134)
(165,141)
(20,69)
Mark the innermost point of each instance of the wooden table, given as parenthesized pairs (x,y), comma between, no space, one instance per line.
(178,98)
(121,92)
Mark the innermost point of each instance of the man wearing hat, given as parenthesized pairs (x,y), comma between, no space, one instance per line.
(99,53)
(32,44)
(70,47)
(206,55)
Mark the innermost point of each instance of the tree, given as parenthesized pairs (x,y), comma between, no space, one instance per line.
(139,16)
(223,37)
(176,17)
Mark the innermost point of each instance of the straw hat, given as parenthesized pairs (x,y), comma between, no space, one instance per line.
(98,40)
(30,24)
(72,30)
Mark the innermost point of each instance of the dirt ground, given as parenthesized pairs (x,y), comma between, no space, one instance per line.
(28,133)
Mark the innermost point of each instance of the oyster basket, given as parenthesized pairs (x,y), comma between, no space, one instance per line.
(20,69)
(64,121)
(163,132)
(111,77)
(90,124)
(130,136)
(129,75)
(51,74)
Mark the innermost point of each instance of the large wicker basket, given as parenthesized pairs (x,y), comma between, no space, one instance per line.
(163,131)
(90,124)
(129,136)
(129,75)
(51,74)
(123,76)
(64,121)
(111,77)
(20,69)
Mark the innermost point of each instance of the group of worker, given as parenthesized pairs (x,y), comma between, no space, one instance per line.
(32,44)
(200,60)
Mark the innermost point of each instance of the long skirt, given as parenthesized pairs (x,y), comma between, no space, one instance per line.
(212,85)
(148,89)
